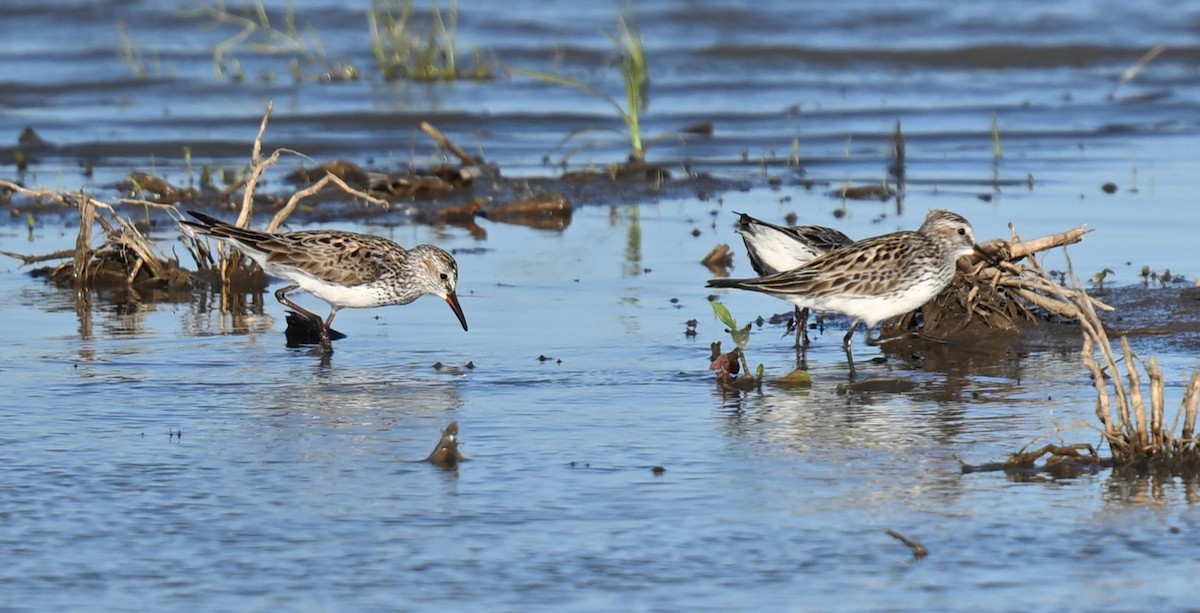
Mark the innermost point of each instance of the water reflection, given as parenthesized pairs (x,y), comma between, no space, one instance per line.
(1125,487)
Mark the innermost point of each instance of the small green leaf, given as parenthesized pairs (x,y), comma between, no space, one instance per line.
(723,315)
(741,336)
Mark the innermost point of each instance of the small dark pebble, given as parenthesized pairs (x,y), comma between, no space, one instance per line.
(985,197)
(1174,530)
(658,470)
(839,213)
(437,365)
(696,232)
(791,218)
(674,301)
(1109,187)
(774,181)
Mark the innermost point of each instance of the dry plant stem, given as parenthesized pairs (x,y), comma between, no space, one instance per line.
(1092,326)
(26,260)
(128,236)
(1137,66)
(1157,432)
(1190,399)
(294,201)
(441,139)
(1094,329)
(1021,249)
(257,167)
(83,241)
(1103,406)
(1135,396)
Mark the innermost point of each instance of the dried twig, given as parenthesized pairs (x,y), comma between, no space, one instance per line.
(442,140)
(294,200)
(1137,67)
(257,167)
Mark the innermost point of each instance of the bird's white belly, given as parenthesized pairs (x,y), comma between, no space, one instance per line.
(341,296)
(871,309)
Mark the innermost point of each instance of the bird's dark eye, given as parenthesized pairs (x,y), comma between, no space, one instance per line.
(445,276)
(961,232)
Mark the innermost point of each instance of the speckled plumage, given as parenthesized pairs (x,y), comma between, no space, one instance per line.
(345,269)
(876,278)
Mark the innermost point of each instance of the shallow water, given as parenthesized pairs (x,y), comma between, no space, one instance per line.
(299,484)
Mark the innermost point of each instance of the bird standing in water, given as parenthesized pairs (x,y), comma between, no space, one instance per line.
(345,269)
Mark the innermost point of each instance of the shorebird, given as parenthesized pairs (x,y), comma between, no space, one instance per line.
(345,269)
(876,278)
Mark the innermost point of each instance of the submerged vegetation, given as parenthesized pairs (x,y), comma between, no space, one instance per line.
(405,44)
(258,33)
(635,79)
(402,51)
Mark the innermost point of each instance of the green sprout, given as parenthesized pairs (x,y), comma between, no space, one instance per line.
(635,78)
(741,336)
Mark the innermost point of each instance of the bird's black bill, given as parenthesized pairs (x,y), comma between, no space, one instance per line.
(452,300)
(990,258)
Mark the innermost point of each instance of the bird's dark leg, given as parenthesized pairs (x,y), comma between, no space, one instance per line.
(799,324)
(281,296)
(322,326)
(326,330)
(801,327)
(329,320)
(850,360)
(850,334)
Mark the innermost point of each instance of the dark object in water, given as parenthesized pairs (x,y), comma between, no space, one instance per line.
(303,331)
(445,454)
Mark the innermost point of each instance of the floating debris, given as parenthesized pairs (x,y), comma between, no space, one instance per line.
(918,549)
(719,260)
(446,454)
(156,189)
(545,212)
(878,191)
